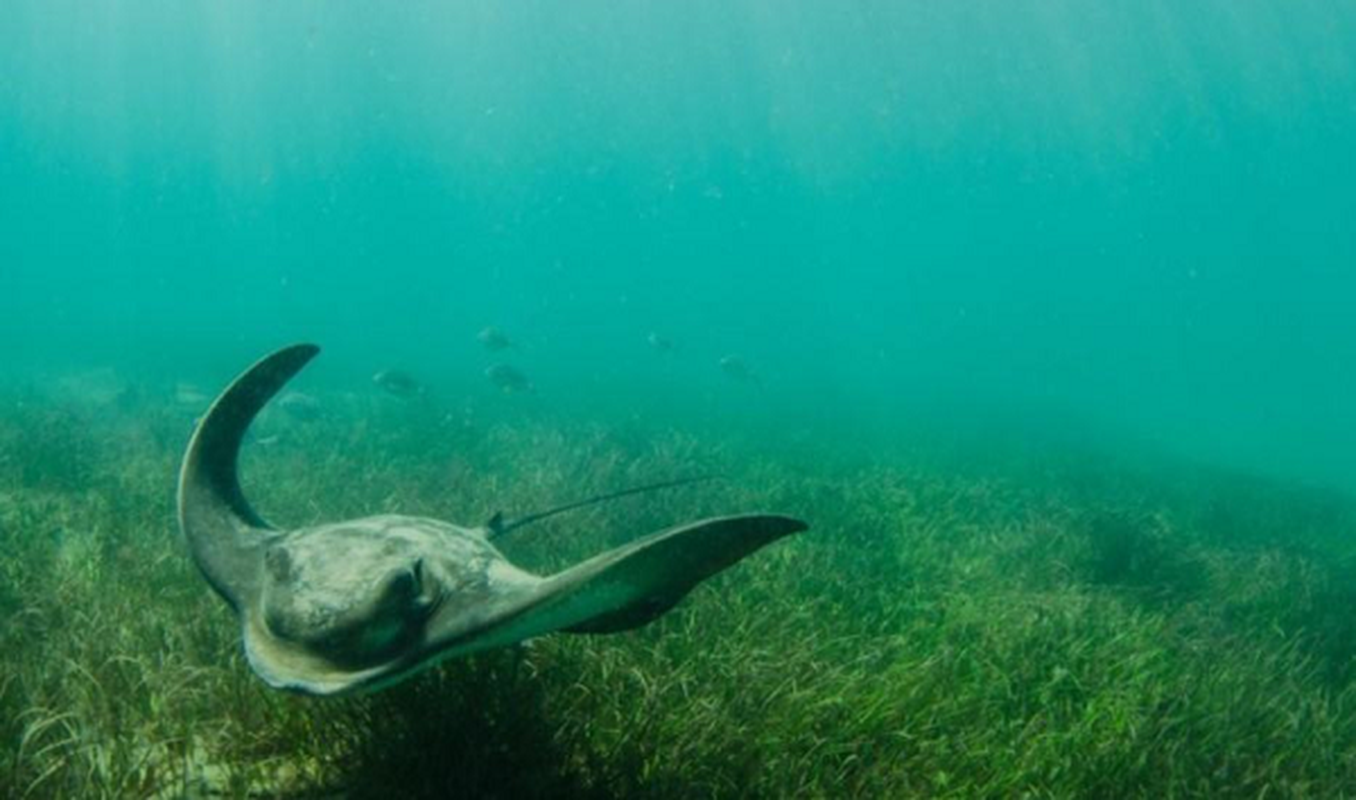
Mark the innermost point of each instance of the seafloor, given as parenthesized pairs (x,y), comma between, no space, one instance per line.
(959,622)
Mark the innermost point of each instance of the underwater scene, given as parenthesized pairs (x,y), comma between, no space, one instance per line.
(702,399)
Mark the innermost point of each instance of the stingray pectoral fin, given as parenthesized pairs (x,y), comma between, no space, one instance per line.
(631,616)
(224,533)
(633,584)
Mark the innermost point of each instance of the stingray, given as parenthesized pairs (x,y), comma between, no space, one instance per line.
(365,603)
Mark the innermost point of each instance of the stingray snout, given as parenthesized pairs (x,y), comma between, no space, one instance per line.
(355,629)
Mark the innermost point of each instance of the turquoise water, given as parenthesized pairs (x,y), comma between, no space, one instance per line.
(1125,223)
(1038,312)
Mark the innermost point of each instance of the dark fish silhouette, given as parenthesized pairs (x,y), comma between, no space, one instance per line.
(736,368)
(300,406)
(186,395)
(494,339)
(659,343)
(508,379)
(398,383)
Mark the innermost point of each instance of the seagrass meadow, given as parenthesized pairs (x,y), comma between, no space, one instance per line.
(1039,314)
(1028,622)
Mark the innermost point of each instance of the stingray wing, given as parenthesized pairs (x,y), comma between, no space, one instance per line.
(625,587)
(224,534)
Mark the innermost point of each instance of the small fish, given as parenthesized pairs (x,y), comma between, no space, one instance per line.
(508,379)
(736,368)
(494,339)
(659,343)
(398,383)
(300,406)
(98,387)
(189,396)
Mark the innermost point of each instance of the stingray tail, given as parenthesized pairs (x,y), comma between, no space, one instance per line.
(498,526)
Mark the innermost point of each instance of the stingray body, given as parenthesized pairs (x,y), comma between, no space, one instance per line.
(364,603)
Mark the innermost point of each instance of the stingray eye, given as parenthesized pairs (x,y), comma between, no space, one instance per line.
(413,588)
(405,586)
